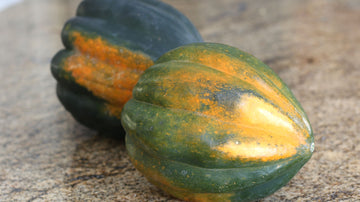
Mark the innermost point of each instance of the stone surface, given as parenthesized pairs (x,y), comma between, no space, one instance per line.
(45,155)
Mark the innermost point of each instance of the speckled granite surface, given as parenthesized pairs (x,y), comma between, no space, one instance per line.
(313,45)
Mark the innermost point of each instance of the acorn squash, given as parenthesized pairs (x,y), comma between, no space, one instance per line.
(108,45)
(209,122)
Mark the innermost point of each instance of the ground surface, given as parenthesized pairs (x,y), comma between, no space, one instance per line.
(313,46)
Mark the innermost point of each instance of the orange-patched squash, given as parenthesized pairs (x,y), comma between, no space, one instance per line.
(209,122)
(108,45)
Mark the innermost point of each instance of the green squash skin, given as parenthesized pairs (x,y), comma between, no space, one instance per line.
(151,26)
(173,145)
(84,105)
(253,181)
(185,181)
(148,28)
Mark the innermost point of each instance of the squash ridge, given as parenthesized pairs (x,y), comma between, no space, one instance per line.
(198,65)
(199,114)
(270,172)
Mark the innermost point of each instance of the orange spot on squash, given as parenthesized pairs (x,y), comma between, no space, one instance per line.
(110,72)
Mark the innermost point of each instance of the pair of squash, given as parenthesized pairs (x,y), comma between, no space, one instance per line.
(203,121)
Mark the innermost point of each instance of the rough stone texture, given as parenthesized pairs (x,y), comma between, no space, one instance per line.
(46,155)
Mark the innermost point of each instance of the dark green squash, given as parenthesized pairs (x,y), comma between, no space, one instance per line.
(209,122)
(108,45)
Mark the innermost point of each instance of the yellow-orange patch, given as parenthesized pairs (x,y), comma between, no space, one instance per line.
(266,84)
(267,126)
(266,133)
(109,72)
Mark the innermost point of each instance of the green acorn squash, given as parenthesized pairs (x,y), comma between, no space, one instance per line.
(108,45)
(209,122)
